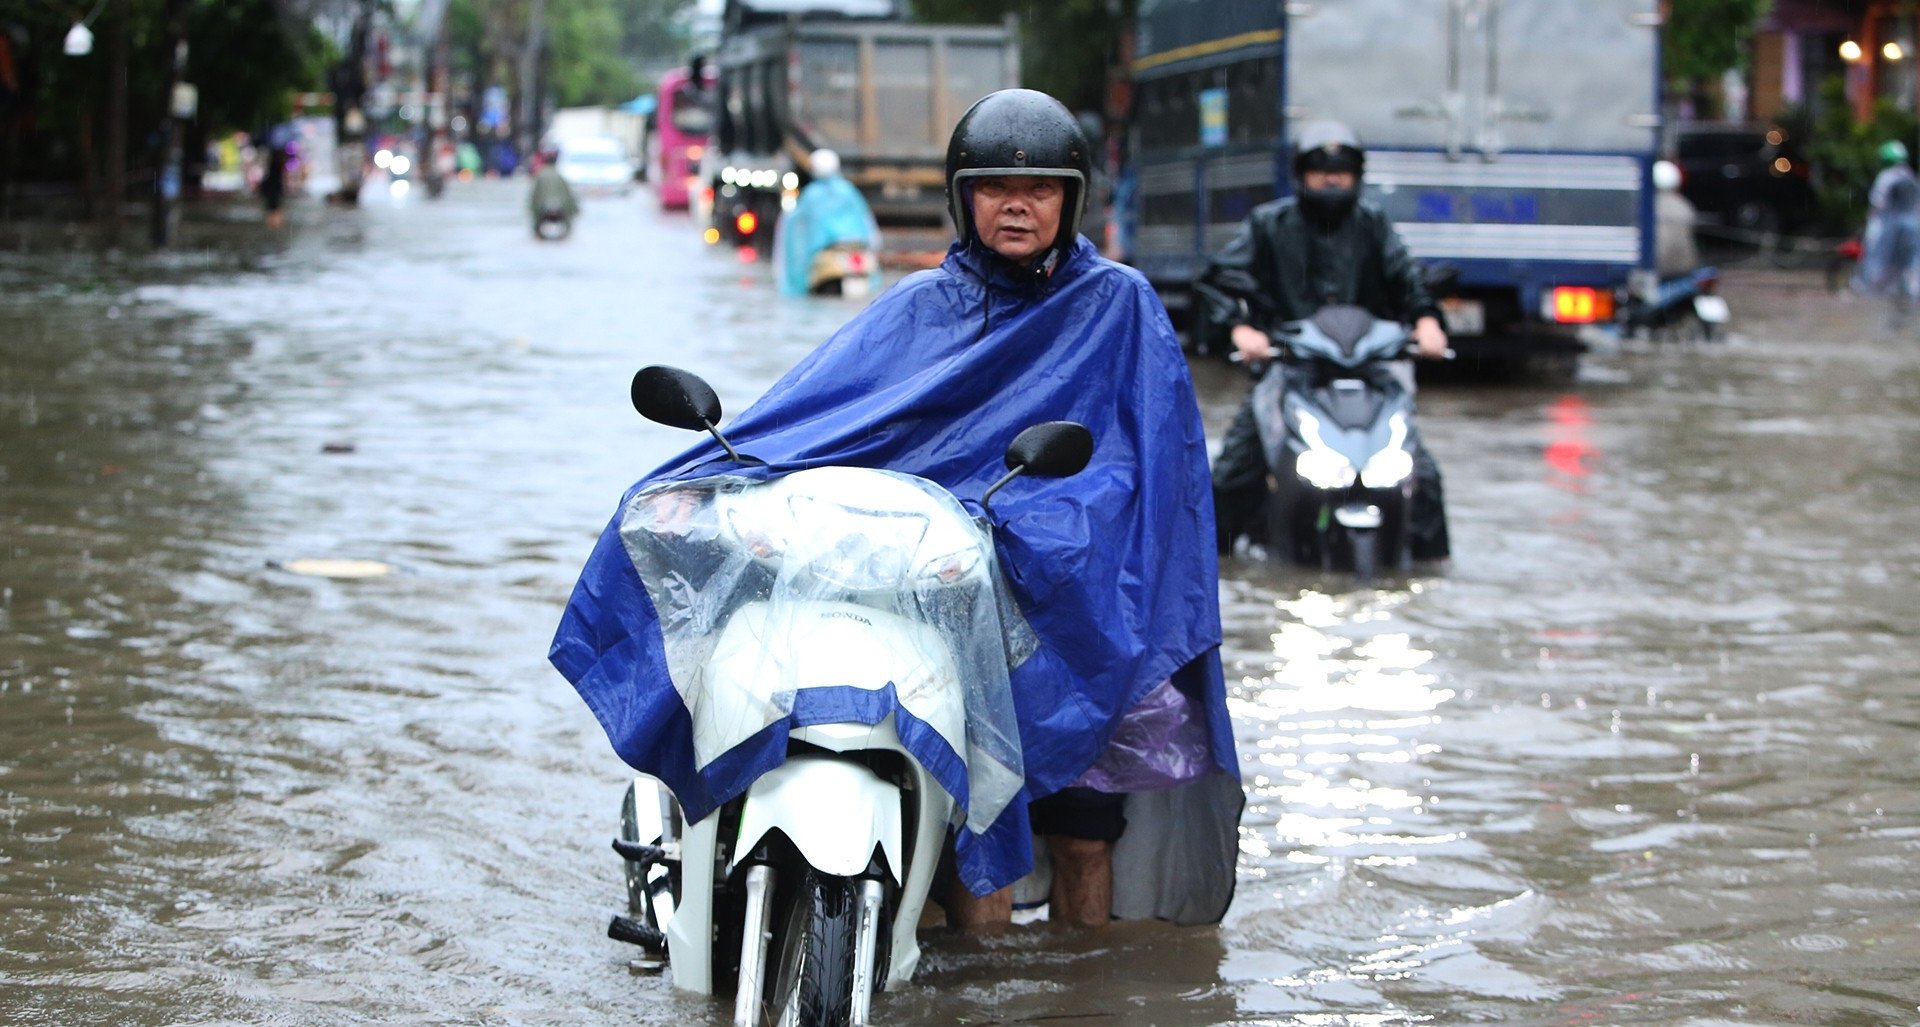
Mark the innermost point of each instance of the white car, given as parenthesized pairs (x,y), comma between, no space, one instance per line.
(595,164)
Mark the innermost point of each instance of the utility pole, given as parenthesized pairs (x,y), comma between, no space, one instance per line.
(349,81)
(527,119)
(119,31)
(166,182)
(438,98)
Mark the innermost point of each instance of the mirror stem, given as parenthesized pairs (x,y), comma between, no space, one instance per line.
(724,444)
(995,487)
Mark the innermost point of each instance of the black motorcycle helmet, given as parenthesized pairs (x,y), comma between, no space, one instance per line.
(1327,146)
(1019,132)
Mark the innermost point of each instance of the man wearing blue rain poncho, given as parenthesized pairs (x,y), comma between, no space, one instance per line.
(1121,704)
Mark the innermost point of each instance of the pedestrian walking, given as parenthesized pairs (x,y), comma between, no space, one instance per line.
(273,183)
(1890,249)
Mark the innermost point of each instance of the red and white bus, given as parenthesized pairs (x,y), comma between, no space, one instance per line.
(683,118)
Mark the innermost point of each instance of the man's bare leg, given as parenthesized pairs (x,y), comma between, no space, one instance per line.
(1082,880)
(969,911)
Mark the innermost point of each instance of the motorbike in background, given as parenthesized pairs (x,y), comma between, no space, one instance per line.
(1687,306)
(1336,422)
(552,226)
(843,269)
(862,608)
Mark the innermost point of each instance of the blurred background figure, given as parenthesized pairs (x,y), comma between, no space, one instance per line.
(829,243)
(1890,249)
(551,201)
(273,180)
(1675,252)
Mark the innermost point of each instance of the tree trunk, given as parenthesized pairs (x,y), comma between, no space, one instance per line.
(119,32)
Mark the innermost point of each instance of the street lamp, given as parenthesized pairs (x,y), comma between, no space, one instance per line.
(79,42)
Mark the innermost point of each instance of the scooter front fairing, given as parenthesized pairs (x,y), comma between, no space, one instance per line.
(1340,451)
(830,595)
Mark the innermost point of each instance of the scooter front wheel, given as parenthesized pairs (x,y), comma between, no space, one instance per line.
(1365,545)
(813,979)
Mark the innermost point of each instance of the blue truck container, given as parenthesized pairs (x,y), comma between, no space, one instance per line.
(1511,140)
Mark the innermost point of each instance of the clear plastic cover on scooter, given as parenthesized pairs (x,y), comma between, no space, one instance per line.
(836,593)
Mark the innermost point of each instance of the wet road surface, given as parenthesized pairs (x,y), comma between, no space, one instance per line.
(1645,753)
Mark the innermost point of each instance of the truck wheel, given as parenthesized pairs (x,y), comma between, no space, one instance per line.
(812,982)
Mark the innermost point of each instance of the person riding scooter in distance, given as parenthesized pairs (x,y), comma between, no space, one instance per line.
(1675,253)
(829,235)
(552,197)
(1290,257)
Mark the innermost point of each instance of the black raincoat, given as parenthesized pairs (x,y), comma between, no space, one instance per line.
(1281,266)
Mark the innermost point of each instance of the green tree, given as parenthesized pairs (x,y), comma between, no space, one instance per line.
(1705,38)
(585,39)
(245,57)
(1066,46)
(597,50)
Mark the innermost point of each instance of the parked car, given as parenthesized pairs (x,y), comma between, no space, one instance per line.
(595,164)
(1753,179)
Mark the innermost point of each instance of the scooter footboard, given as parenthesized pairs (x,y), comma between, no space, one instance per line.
(834,811)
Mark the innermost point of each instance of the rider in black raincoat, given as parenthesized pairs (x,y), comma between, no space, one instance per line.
(1319,247)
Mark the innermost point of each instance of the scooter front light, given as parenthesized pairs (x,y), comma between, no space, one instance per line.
(1324,469)
(1387,468)
(1393,463)
(950,567)
(747,523)
(1319,464)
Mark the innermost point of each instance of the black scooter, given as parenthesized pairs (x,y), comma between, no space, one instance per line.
(1336,425)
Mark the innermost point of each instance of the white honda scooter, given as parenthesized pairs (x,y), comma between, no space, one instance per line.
(860,608)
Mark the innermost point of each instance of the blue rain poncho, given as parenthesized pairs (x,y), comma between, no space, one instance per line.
(830,211)
(1114,569)
(1890,246)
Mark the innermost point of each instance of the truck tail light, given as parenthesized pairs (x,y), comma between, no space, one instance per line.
(1579,305)
(746,222)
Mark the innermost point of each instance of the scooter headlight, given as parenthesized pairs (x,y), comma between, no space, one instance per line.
(760,535)
(949,568)
(1393,463)
(1319,463)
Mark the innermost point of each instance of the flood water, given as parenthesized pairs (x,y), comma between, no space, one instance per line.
(1646,752)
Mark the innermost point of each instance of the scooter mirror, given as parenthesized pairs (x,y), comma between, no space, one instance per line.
(676,398)
(1054,449)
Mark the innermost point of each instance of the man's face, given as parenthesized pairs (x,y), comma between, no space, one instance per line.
(1318,180)
(1017,216)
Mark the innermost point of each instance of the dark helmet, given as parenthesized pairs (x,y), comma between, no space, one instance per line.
(1327,146)
(1019,132)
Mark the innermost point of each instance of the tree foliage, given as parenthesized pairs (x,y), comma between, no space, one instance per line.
(244,57)
(1066,46)
(597,50)
(1706,37)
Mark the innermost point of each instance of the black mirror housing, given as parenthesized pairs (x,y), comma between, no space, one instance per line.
(1052,449)
(675,398)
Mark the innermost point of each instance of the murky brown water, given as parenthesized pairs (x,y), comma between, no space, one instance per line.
(1644,754)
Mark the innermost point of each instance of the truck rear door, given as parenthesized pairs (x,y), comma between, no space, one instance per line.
(1497,130)
(886,97)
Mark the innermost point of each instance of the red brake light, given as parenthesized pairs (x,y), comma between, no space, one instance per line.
(1580,304)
